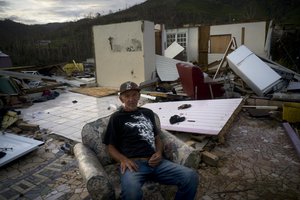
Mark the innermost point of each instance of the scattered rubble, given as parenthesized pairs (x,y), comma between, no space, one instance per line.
(239,74)
(13,138)
(26,87)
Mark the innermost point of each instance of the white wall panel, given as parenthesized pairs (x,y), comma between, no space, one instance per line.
(124,51)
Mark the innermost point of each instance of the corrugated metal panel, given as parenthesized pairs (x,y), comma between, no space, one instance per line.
(166,68)
(203,117)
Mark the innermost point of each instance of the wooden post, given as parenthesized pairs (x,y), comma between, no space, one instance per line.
(231,43)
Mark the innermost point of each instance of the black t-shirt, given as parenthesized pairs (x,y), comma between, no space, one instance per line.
(132,133)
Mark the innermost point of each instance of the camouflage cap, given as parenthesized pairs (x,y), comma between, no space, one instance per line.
(128,86)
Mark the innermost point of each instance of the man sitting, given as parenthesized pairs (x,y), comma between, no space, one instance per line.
(133,140)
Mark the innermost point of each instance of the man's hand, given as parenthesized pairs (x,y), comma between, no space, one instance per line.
(155,159)
(124,161)
(127,163)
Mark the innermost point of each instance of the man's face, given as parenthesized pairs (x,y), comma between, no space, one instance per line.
(130,100)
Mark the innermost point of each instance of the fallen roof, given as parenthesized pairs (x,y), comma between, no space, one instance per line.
(203,117)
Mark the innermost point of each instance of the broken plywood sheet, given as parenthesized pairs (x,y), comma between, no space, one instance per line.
(203,117)
(16,146)
(95,91)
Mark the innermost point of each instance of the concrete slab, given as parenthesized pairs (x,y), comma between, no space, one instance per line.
(69,112)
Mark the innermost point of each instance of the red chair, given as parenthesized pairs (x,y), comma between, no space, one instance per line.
(192,80)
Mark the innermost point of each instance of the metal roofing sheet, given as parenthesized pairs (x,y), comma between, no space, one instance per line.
(203,117)
(16,146)
(166,68)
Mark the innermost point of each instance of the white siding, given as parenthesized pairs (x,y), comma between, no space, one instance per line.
(255,34)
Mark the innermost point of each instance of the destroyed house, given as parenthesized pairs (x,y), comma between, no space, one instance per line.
(206,44)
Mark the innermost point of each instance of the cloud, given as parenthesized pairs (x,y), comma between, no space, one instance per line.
(46,11)
(3,5)
(23,20)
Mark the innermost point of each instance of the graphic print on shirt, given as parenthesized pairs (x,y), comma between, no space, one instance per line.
(145,128)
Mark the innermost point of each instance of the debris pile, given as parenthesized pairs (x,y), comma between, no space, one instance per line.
(240,74)
(269,90)
(22,86)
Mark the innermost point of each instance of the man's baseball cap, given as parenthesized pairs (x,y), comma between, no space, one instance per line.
(129,86)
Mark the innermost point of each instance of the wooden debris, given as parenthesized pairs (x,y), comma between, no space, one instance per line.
(41,89)
(168,96)
(210,158)
(259,112)
(95,91)
(262,107)
(198,138)
(190,143)
(28,127)
(15,130)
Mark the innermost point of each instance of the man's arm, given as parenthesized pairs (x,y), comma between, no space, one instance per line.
(123,160)
(159,144)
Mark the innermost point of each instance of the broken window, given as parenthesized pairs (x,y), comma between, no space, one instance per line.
(171,37)
(180,38)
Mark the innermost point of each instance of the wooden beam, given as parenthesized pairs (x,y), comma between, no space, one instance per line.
(164,95)
(232,43)
(243,36)
(41,89)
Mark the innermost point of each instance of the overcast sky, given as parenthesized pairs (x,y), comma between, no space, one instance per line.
(46,11)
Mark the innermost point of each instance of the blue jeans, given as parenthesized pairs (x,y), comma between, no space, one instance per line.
(166,172)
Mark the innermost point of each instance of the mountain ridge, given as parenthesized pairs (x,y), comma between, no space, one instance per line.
(73,40)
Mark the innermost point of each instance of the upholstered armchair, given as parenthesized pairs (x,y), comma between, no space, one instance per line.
(101,174)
